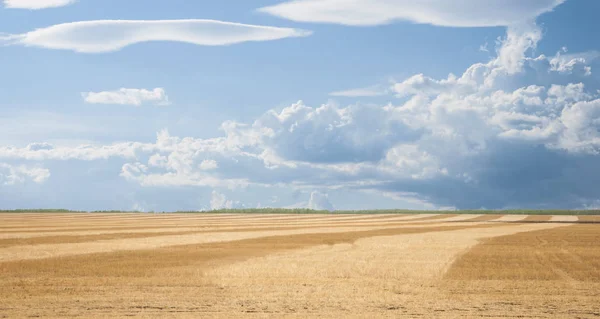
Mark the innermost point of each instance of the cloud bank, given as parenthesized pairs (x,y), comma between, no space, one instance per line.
(113,35)
(36,4)
(125,96)
(489,13)
(519,130)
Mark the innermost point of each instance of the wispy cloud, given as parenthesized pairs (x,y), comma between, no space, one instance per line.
(36,4)
(370,91)
(470,13)
(484,47)
(113,35)
(125,96)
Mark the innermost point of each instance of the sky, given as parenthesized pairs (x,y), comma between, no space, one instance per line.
(155,105)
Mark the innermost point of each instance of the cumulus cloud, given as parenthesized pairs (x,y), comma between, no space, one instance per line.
(19,174)
(125,96)
(158,160)
(319,201)
(520,130)
(520,38)
(113,35)
(36,4)
(465,13)
(219,201)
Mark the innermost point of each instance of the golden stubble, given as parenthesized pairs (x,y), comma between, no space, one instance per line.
(310,266)
(552,273)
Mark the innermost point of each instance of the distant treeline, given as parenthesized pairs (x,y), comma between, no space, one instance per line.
(309,211)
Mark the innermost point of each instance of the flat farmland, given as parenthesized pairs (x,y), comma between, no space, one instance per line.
(299,266)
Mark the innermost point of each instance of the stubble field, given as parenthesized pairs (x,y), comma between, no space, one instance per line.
(299,266)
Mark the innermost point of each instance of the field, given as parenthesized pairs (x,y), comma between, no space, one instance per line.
(59,264)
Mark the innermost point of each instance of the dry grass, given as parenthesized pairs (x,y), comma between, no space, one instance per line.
(299,266)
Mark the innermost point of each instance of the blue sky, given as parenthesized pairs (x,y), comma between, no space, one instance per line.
(194,105)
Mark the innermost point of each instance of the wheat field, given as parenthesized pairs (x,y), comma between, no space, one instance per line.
(299,266)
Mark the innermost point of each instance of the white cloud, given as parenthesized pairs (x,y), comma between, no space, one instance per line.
(209,165)
(320,201)
(413,161)
(362,92)
(125,96)
(327,134)
(158,160)
(581,127)
(11,174)
(562,62)
(519,40)
(113,35)
(467,13)
(82,152)
(219,201)
(36,4)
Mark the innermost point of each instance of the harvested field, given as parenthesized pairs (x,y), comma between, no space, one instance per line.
(299,266)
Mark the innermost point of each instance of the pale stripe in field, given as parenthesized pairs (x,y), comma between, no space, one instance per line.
(458,218)
(567,219)
(410,217)
(511,218)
